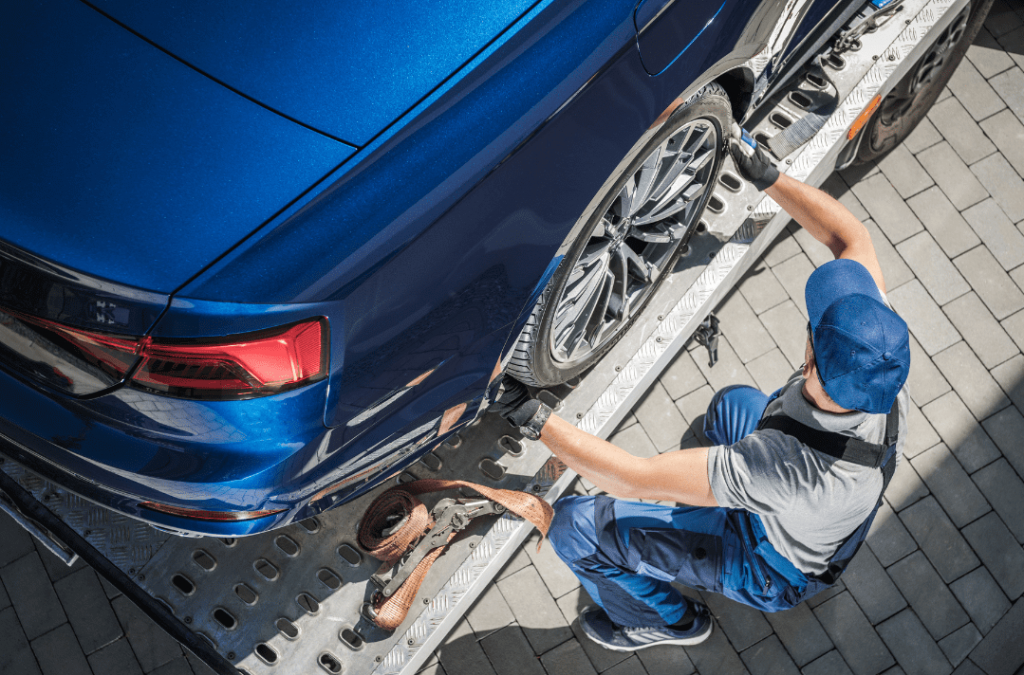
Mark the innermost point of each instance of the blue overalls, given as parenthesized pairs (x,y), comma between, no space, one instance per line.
(627,553)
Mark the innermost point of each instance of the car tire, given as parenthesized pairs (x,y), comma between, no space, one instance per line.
(909,101)
(543,356)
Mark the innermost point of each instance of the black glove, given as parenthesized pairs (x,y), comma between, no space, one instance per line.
(753,163)
(514,403)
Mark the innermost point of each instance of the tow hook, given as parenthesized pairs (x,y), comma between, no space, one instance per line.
(707,335)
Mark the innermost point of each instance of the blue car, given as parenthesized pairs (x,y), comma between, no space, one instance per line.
(258,256)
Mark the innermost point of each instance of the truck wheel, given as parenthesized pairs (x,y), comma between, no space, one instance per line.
(630,241)
(909,101)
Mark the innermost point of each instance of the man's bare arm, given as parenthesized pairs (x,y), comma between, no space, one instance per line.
(675,476)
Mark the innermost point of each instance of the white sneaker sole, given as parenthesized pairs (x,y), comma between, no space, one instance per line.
(682,642)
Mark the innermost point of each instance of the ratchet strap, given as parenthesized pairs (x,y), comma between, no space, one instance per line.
(380,537)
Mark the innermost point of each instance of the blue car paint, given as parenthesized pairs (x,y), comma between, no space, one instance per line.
(348,69)
(661,32)
(423,251)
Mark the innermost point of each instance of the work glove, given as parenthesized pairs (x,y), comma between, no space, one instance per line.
(514,402)
(752,162)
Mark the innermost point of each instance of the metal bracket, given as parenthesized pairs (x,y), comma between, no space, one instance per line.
(45,537)
(707,335)
(884,10)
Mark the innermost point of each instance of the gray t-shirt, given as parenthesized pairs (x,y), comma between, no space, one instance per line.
(809,502)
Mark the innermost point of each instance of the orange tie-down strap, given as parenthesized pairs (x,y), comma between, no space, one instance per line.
(400,502)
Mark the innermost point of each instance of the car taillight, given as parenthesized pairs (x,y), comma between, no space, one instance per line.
(244,366)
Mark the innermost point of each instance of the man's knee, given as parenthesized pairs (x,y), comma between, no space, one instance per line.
(572,532)
(733,413)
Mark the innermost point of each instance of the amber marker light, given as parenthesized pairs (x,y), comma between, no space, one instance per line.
(863,117)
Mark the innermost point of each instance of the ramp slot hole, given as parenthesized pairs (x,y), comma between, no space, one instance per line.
(266,569)
(329,662)
(287,545)
(431,461)
(287,629)
(716,205)
(816,80)
(511,445)
(183,584)
(351,638)
(731,182)
(246,594)
(266,653)
(350,555)
(229,542)
(836,61)
(311,525)
(492,469)
(800,99)
(780,120)
(204,560)
(308,603)
(224,618)
(329,579)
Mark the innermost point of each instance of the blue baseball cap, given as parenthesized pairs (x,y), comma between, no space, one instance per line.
(861,346)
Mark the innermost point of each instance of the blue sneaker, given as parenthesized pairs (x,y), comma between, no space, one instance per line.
(599,627)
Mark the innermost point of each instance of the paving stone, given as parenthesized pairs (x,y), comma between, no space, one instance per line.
(858,172)
(32,595)
(924,136)
(943,221)
(1010,376)
(1002,18)
(1003,183)
(974,92)
(905,488)
(636,442)
(939,539)
(727,370)
(461,654)
(872,588)
(660,418)
(682,376)
(783,248)
(837,188)
(1013,42)
(981,596)
(631,666)
(520,560)
(556,574)
(88,610)
(715,656)
(16,656)
(1005,491)
(1002,650)
(971,380)
(853,636)
(929,325)
(829,664)
(999,551)
(1003,240)
(770,371)
(567,659)
(1010,87)
(832,591)
(789,330)
(117,657)
(1007,429)
(888,539)
(17,542)
(627,422)
(987,278)
(816,252)
(938,610)
(744,625)
(793,275)
(200,668)
(570,605)
(933,268)
(5,600)
(743,329)
(980,330)
(893,267)
(761,289)
(887,208)
(958,644)
(952,487)
(1007,132)
(967,668)
(694,406)
(509,653)
(925,381)
(905,173)
(535,610)
(665,660)
(769,657)
(108,588)
(800,632)
(151,644)
(960,432)
(952,176)
(181,667)
(988,56)
(910,643)
(960,130)
(58,653)
(490,612)
(920,434)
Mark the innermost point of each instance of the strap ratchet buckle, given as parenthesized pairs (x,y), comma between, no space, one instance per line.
(883,12)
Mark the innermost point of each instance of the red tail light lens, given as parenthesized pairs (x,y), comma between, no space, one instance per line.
(246,366)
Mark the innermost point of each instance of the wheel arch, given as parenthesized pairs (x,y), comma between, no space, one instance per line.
(739,86)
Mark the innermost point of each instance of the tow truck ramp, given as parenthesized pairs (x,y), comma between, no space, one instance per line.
(289,601)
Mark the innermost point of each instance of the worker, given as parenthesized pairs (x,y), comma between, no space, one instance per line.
(773,511)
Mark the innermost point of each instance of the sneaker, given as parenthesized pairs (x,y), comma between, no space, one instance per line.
(599,627)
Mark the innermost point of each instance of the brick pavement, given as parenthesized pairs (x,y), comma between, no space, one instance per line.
(938,589)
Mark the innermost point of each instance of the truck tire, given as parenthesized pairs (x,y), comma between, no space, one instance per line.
(909,101)
(628,244)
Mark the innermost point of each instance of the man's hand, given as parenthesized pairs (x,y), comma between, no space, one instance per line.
(752,162)
(514,402)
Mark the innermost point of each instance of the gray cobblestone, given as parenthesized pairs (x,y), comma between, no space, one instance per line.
(770,370)
(837,188)
(728,370)
(833,590)
(16,656)
(888,539)
(5,600)
(54,566)
(761,289)
(980,330)
(1005,491)
(967,668)
(461,654)
(944,222)
(952,175)
(693,406)
(974,92)
(635,441)
(490,612)
(631,666)
(17,542)
(789,330)
(999,551)
(981,596)
(933,268)
(535,610)
(570,605)
(946,549)
(682,376)
(924,136)
(744,625)
(1010,87)
(800,632)
(1007,429)
(665,660)
(872,588)
(88,610)
(518,562)
(509,653)
(913,648)
(1003,240)
(938,610)
(887,208)
(1002,650)
(960,130)
(58,653)
(904,172)
(929,325)
(829,664)
(1010,376)
(816,252)
(1007,132)
(715,656)
(661,419)
(952,487)
(894,268)
(925,381)
(971,380)
(181,667)
(32,595)
(556,574)
(741,326)
(117,657)
(567,659)
(961,432)
(793,275)
(152,646)
(905,488)
(957,645)
(768,657)
(921,435)
(1003,183)
(987,56)
(1013,41)
(994,286)
(853,636)
(783,248)
(1002,19)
